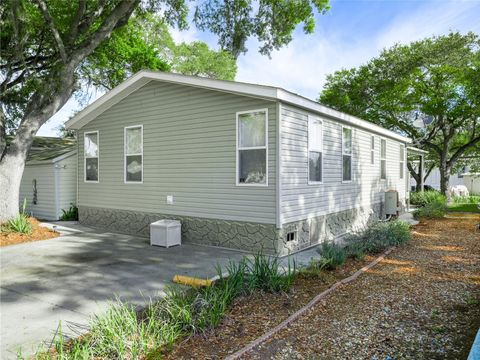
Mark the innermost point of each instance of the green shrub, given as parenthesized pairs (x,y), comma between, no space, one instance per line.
(379,236)
(332,255)
(472,199)
(433,210)
(426,197)
(71,214)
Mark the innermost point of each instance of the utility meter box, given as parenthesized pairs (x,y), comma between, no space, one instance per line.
(166,233)
(391,202)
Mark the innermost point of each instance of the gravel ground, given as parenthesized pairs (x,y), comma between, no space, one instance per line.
(421,302)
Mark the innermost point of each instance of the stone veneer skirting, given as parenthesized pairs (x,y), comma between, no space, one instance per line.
(252,237)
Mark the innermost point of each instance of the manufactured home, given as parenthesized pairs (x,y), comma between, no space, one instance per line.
(240,165)
(49,181)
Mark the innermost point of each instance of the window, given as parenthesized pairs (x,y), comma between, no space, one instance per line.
(134,154)
(347,153)
(402,160)
(252,145)
(372,150)
(91,154)
(315,150)
(383,159)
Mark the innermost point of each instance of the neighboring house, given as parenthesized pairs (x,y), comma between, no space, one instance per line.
(240,165)
(462,177)
(49,181)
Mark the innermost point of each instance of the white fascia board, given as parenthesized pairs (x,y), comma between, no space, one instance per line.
(54,160)
(260,91)
(305,103)
(414,150)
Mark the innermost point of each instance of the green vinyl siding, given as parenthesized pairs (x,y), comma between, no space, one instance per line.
(189,151)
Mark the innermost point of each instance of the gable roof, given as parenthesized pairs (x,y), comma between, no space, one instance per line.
(50,149)
(246,89)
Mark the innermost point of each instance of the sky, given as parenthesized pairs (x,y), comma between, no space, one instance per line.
(348,35)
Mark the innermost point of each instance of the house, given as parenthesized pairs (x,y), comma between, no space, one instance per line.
(49,182)
(242,166)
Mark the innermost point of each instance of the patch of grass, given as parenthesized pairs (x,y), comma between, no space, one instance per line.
(124,333)
(460,207)
(433,210)
(424,198)
(472,199)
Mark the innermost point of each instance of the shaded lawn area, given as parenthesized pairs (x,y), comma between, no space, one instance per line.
(473,208)
(421,302)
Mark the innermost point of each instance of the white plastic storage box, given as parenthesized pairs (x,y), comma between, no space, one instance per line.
(165,233)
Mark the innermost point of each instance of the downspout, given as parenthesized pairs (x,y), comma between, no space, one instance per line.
(278,167)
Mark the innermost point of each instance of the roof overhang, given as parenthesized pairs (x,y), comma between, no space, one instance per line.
(417,151)
(51,161)
(252,90)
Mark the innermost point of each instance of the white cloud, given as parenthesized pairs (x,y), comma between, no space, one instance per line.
(303,65)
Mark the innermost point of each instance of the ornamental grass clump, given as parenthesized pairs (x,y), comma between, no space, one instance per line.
(332,255)
(122,332)
(378,236)
(20,224)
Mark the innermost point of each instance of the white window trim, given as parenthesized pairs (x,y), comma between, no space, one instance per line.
(237,151)
(125,153)
(380,157)
(311,119)
(372,149)
(351,156)
(91,157)
(402,161)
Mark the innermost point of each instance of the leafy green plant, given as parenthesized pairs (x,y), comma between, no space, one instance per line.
(265,273)
(124,333)
(19,224)
(472,199)
(379,236)
(332,255)
(434,210)
(423,198)
(71,214)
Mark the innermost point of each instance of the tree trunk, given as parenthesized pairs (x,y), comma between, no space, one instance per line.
(444,178)
(11,172)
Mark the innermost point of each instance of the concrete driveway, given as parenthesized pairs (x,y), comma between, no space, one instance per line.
(76,275)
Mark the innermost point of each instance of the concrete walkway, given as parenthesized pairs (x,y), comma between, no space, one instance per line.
(77,274)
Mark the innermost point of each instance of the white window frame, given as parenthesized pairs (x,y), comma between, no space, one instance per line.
(402,161)
(372,150)
(125,153)
(311,119)
(91,157)
(383,159)
(351,155)
(238,148)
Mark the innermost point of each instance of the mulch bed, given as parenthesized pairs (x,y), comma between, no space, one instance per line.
(38,233)
(252,316)
(421,302)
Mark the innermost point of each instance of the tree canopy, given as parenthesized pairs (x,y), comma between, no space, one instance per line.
(428,90)
(50,48)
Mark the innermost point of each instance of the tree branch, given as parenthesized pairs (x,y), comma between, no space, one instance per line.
(56,35)
(76,21)
(462,149)
(117,17)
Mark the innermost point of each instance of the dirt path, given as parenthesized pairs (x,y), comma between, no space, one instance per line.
(422,302)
